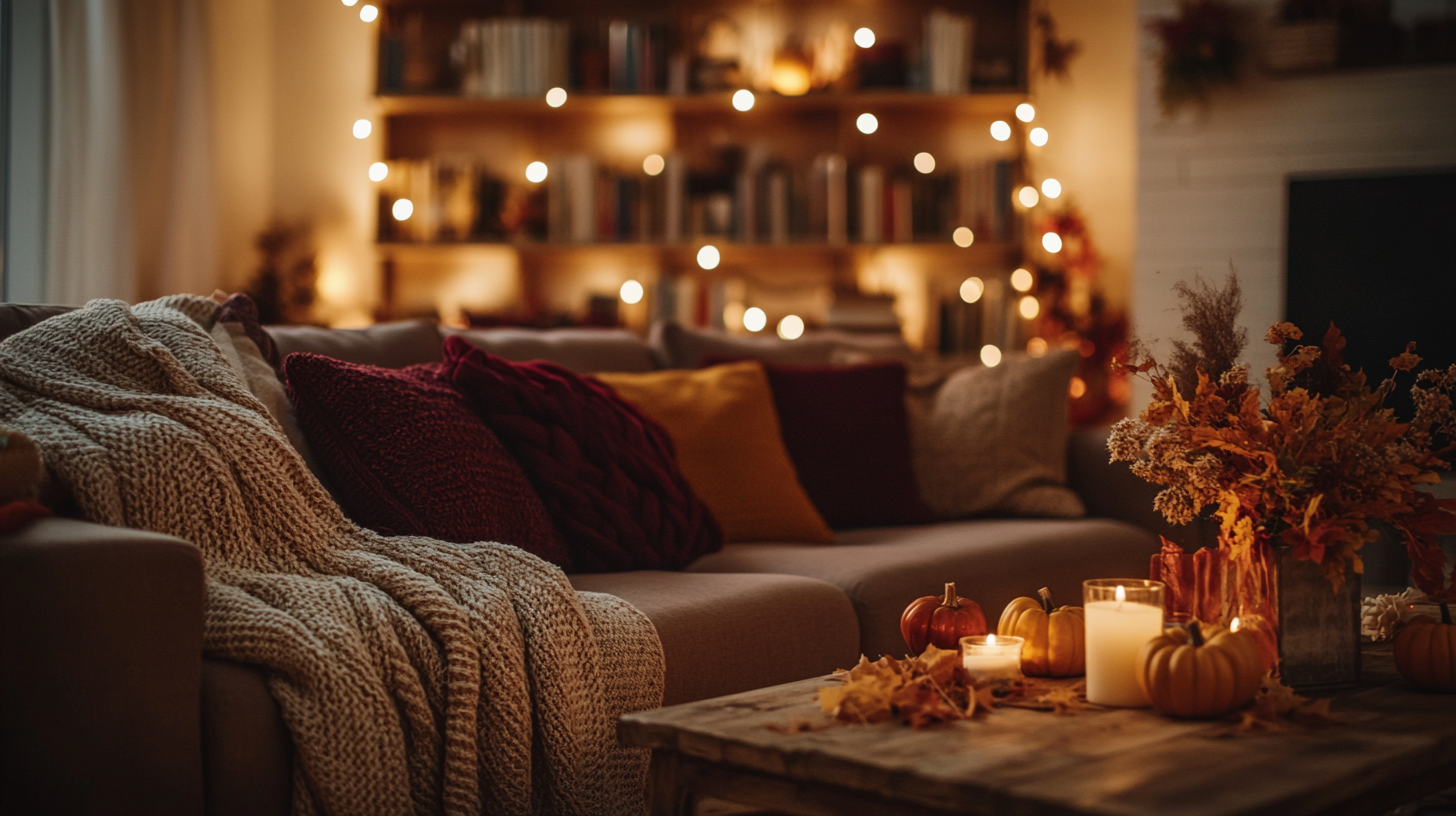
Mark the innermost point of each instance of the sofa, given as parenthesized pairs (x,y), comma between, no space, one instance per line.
(107,704)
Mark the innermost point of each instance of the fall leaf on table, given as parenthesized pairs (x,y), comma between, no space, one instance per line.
(919,692)
(1277,707)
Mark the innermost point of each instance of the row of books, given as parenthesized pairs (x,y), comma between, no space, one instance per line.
(764,202)
(504,57)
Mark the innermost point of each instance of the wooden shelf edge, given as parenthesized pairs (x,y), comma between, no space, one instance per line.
(990,103)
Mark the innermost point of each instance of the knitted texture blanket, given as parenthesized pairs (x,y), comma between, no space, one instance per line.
(416,676)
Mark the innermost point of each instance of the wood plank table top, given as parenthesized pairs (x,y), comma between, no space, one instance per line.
(1388,744)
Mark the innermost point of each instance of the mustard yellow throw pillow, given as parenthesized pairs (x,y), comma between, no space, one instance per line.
(723,424)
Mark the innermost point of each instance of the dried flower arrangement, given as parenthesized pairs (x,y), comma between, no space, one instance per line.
(917,691)
(1308,469)
(1202,48)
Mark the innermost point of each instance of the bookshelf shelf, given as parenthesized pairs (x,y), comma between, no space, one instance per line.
(986,104)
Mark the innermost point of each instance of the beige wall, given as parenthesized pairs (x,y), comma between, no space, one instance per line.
(1091,119)
(1211,187)
(290,80)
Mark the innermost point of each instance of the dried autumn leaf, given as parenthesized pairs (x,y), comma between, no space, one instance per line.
(1406,361)
(920,691)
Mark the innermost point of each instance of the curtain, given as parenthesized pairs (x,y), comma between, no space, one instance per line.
(132,209)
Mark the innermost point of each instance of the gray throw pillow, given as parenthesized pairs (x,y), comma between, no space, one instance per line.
(994,440)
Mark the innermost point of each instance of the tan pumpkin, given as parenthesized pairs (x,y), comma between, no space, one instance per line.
(942,620)
(1201,671)
(1425,652)
(1055,637)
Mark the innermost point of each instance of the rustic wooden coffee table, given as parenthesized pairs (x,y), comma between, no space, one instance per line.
(1389,745)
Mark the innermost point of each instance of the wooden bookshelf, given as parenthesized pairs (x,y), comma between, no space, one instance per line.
(539,271)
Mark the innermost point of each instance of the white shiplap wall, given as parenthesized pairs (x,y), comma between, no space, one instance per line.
(1211,186)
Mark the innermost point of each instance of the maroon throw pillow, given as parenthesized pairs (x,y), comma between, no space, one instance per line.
(847,433)
(406,456)
(607,472)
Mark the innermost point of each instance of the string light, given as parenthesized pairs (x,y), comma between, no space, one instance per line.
(963,237)
(378,171)
(556,97)
(1038,136)
(1036,347)
(1000,131)
(791,327)
(403,209)
(864,37)
(1021,280)
(631,292)
(709,257)
(362,128)
(867,123)
(972,289)
(536,172)
(1029,307)
(743,100)
(1051,242)
(1028,197)
(1025,112)
(1051,188)
(990,356)
(754,319)
(369,13)
(925,163)
(1077,388)
(351,3)
(653,165)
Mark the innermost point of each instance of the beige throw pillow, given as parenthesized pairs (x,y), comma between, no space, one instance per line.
(994,440)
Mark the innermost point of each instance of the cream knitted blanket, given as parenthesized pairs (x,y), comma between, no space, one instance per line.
(416,676)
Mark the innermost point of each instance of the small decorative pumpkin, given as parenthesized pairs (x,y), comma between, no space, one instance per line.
(1204,670)
(1425,652)
(1055,638)
(941,620)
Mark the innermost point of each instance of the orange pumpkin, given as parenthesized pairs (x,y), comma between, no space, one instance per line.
(941,620)
(1055,638)
(1201,671)
(1425,652)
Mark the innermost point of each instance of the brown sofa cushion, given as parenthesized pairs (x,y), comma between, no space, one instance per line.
(17,317)
(247,753)
(584,351)
(387,345)
(723,634)
(991,561)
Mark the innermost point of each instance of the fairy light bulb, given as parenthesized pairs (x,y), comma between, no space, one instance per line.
(1029,307)
(867,123)
(1000,130)
(1051,188)
(362,128)
(791,327)
(963,237)
(743,100)
(536,172)
(378,171)
(1028,196)
(556,97)
(864,37)
(403,209)
(709,257)
(971,289)
(990,356)
(1021,280)
(1038,136)
(653,165)
(925,163)
(1025,112)
(754,319)
(369,13)
(1051,242)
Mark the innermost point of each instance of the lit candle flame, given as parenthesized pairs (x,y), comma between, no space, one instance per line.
(990,640)
(1121,594)
(1234,625)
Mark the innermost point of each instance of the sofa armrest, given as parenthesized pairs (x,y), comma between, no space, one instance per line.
(1110,490)
(100,670)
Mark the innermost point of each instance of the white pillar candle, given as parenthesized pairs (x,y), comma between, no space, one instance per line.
(1121,616)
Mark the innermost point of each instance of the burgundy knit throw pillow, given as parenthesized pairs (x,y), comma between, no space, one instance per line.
(846,430)
(406,456)
(606,472)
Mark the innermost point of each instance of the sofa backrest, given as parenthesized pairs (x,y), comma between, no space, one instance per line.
(584,351)
(17,317)
(678,346)
(388,345)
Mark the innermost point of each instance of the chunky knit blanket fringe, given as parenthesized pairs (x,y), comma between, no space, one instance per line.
(416,676)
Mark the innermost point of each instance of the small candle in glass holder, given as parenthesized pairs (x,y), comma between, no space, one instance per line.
(1121,615)
(992,659)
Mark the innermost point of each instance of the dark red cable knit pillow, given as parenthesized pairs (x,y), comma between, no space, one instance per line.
(846,430)
(606,472)
(406,456)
